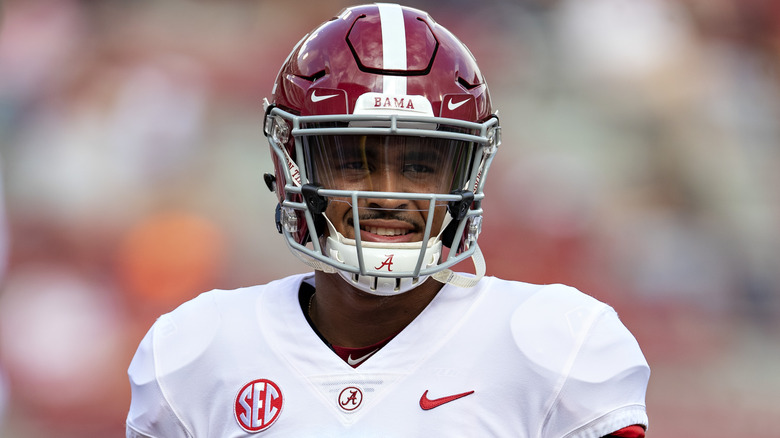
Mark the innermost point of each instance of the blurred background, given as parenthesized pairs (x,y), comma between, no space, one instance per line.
(640,163)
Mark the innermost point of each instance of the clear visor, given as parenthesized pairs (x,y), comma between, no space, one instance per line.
(394,178)
(388,163)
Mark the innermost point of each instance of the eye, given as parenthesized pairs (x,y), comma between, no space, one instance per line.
(354,165)
(418,168)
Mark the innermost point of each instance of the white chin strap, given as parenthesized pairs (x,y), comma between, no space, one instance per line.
(389,258)
(382,258)
(459,280)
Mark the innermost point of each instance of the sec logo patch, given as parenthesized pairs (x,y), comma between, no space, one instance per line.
(258,405)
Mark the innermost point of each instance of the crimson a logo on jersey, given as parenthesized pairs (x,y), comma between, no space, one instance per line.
(350,398)
(258,405)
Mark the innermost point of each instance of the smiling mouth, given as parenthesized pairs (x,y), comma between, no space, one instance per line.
(386,230)
(382,231)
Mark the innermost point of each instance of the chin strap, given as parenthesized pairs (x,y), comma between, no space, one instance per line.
(444,276)
(459,280)
(311,261)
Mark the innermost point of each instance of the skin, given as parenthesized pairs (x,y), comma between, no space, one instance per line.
(349,317)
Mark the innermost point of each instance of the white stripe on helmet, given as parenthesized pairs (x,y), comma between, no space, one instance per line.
(393,47)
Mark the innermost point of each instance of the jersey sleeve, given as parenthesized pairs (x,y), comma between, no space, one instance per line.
(150,414)
(605,385)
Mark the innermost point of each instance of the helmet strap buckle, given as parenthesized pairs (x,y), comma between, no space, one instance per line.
(457,210)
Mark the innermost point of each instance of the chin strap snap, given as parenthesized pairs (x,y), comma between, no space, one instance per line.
(449,276)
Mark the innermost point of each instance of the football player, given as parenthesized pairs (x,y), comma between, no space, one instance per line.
(382,131)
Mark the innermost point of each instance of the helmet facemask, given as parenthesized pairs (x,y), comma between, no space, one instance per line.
(382,196)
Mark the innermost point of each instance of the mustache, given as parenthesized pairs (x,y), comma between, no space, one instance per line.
(388,214)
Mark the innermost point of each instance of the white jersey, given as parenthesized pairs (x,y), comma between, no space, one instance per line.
(500,359)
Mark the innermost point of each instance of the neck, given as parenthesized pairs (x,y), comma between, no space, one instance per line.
(352,318)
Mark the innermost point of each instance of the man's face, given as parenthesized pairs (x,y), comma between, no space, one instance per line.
(387,164)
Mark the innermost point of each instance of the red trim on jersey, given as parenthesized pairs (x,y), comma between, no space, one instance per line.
(356,356)
(634,431)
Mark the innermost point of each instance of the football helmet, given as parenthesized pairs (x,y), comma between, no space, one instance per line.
(382,132)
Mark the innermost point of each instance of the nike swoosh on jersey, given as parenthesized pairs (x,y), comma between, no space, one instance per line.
(428,404)
(315,98)
(358,360)
(453,106)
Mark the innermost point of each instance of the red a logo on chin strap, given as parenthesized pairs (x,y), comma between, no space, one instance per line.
(388,262)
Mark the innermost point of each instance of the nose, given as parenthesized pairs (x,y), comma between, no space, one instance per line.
(386,180)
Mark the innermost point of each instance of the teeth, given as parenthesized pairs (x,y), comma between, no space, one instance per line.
(384,231)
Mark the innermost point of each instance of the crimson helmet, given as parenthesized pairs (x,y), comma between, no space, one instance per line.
(382,132)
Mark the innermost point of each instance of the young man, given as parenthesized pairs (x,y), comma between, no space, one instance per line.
(382,131)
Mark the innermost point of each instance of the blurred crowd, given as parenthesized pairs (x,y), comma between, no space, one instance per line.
(640,162)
